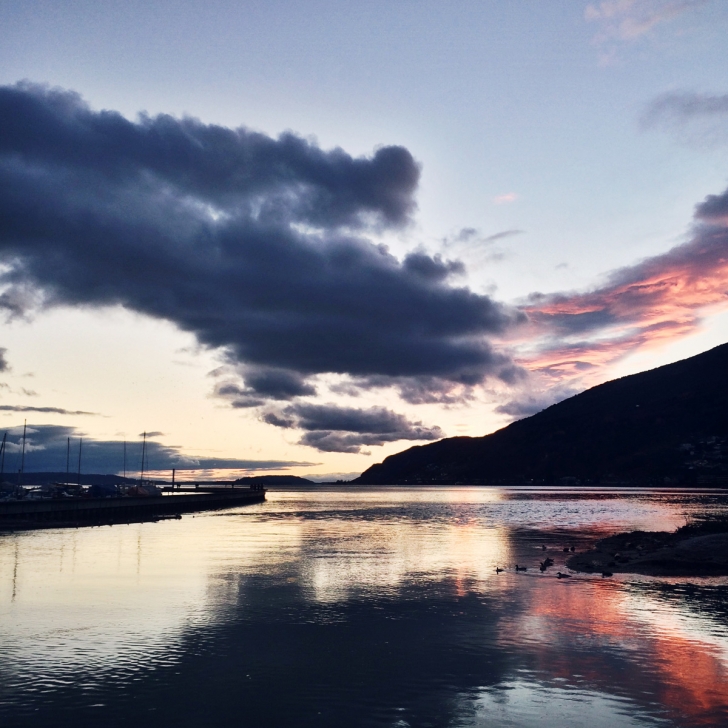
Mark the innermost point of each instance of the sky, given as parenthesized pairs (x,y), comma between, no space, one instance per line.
(297,237)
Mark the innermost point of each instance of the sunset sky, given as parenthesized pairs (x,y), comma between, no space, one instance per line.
(301,236)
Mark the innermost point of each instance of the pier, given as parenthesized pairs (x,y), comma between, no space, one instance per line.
(187,498)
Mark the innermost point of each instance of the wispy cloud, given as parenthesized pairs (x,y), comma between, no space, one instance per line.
(693,118)
(630,19)
(626,21)
(469,236)
(46,410)
(478,249)
(505,198)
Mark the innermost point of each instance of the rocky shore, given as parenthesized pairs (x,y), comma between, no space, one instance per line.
(694,550)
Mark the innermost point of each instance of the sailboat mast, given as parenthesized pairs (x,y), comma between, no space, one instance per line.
(22,457)
(80,445)
(144,452)
(2,456)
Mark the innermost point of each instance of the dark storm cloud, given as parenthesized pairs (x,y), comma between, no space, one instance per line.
(287,178)
(246,241)
(346,429)
(46,450)
(713,209)
(262,384)
(432,268)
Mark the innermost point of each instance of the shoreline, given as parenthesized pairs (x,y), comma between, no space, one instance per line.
(693,550)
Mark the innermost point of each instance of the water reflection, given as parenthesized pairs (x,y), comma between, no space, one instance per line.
(378,607)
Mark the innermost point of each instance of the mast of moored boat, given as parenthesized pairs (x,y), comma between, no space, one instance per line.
(22,457)
(2,457)
(80,444)
(144,452)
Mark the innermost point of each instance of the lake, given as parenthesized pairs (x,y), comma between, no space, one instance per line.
(339,606)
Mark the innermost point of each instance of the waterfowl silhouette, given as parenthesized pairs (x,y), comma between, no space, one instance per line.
(498,569)
(572,549)
(543,548)
(566,549)
(521,568)
(559,575)
(606,573)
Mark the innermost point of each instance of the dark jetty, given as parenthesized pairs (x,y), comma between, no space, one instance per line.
(275,480)
(86,511)
(697,549)
(667,426)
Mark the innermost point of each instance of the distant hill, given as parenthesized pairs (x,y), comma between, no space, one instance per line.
(664,426)
(275,480)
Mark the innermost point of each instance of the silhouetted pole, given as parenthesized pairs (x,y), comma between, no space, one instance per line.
(124,460)
(68,460)
(2,457)
(144,452)
(80,444)
(22,457)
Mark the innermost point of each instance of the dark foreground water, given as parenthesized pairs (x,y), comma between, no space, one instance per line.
(372,607)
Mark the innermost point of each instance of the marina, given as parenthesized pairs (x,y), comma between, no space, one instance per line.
(53,503)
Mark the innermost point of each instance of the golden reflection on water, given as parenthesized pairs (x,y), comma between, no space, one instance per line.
(387,555)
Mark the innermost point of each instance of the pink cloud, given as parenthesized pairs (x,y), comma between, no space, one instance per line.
(627,20)
(505,198)
(571,338)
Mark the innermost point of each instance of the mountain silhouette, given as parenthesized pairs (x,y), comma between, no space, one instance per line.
(666,426)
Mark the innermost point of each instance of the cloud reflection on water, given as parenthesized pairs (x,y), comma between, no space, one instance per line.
(337,607)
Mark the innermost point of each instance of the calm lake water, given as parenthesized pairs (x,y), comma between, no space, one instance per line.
(361,607)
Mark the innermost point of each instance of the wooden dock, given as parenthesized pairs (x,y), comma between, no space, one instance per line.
(54,512)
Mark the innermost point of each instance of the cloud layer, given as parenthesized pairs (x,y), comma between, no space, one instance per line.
(46,450)
(255,245)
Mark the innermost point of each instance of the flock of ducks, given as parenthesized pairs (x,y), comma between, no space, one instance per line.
(548,562)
